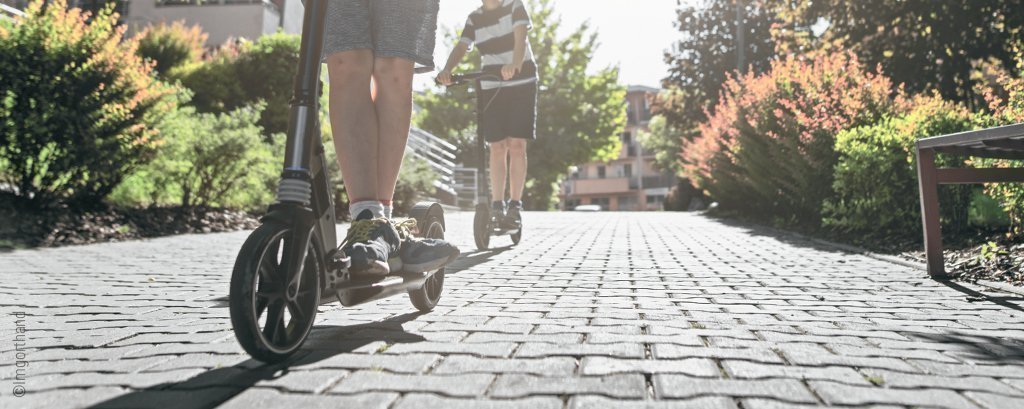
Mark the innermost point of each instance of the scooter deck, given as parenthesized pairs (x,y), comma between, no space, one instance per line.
(360,291)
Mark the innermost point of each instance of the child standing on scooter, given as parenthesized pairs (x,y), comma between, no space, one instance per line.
(507,96)
(371,48)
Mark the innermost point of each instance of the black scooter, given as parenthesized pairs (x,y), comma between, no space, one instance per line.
(290,265)
(484,225)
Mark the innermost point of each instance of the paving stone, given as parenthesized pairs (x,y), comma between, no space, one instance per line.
(678,386)
(60,397)
(840,394)
(454,385)
(599,402)
(597,365)
(460,364)
(533,350)
(406,363)
(616,386)
(901,380)
(996,401)
(268,398)
(751,370)
(662,351)
(429,401)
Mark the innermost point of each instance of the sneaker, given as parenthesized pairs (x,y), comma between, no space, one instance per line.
(373,244)
(513,216)
(420,255)
(497,211)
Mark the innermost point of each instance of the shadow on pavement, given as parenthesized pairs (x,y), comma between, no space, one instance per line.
(214,387)
(475,258)
(976,296)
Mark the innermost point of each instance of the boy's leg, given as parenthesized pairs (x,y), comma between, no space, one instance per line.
(517,167)
(354,123)
(499,169)
(393,80)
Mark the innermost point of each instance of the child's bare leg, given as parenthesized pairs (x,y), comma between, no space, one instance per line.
(516,167)
(393,79)
(354,122)
(499,169)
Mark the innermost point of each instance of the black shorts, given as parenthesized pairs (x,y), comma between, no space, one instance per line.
(508,112)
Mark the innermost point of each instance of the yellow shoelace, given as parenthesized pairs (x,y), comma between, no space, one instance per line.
(406,228)
(360,230)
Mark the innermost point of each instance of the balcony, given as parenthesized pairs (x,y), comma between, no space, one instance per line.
(600,186)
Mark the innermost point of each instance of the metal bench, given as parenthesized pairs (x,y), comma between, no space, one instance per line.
(1005,142)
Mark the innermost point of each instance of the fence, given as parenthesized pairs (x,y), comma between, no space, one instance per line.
(439,154)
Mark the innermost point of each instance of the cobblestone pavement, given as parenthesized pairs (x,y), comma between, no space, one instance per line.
(601,310)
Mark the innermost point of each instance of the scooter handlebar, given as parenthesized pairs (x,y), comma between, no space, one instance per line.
(459,79)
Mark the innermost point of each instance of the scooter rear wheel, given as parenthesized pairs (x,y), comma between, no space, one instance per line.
(518,235)
(272,316)
(482,226)
(430,220)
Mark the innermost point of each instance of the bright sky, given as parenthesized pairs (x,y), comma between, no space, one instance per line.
(633,34)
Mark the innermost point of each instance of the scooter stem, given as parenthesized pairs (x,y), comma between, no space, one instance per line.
(302,122)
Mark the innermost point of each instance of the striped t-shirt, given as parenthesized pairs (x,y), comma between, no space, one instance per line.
(493,33)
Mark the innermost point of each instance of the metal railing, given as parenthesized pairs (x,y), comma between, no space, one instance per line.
(8,12)
(439,154)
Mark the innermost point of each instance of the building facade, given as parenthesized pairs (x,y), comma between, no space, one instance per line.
(627,183)
(221,19)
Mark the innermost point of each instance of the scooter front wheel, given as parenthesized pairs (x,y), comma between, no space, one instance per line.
(482,226)
(271,312)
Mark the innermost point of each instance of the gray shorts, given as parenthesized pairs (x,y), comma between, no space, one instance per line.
(391,28)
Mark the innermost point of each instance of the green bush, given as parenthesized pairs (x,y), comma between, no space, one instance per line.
(768,150)
(77,105)
(208,160)
(876,188)
(259,71)
(170,46)
(416,179)
(1006,110)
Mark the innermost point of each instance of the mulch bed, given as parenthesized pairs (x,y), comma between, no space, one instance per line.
(21,227)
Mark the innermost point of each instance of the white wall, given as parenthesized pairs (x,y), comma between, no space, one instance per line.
(221,22)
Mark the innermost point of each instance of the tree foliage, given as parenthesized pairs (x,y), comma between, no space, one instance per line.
(707,53)
(580,113)
(171,46)
(925,44)
(77,105)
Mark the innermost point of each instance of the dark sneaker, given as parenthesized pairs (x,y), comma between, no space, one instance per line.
(497,210)
(373,245)
(421,255)
(513,217)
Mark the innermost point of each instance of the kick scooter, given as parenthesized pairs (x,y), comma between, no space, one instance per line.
(290,264)
(485,226)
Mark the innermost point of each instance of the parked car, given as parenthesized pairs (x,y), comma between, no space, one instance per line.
(588,208)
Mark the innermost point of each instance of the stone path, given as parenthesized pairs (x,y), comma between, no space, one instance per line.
(608,310)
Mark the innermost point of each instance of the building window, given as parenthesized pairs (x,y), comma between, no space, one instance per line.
(631,151)
(601,172)
(627,170)
(627,137)
(655,199)
(604,202)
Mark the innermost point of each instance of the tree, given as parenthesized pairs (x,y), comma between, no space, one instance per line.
(78,107)
(925,44)
(708,53)
(580,115)
(665,141)
(171,45)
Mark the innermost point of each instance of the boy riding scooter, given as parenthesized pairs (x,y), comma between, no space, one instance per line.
(507,97)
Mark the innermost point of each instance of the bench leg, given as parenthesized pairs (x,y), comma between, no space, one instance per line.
(930,212)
